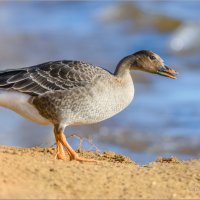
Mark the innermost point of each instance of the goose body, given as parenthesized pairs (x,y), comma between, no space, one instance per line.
(64,93)
(39,99)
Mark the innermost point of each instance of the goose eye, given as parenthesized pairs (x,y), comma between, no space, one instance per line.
(152,57)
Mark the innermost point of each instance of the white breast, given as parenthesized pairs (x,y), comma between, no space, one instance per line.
(19,103)
(107,99)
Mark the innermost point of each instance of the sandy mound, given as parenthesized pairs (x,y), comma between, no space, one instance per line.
(34,173)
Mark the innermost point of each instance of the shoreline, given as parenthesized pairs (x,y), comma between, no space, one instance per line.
(34,173)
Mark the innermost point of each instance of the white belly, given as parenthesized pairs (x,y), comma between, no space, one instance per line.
(19,103)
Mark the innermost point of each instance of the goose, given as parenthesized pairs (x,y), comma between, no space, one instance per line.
(65,93)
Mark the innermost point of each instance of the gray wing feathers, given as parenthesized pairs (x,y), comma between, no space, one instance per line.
(51,76)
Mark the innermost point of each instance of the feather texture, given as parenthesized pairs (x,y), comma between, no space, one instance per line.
(50,76)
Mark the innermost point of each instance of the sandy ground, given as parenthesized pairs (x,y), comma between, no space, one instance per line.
(34,173)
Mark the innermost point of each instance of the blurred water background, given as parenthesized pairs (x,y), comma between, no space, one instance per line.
(163,119)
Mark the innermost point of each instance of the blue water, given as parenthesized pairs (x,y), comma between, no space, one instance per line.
(163,109)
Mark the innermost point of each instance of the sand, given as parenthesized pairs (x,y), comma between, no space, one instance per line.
(33,173)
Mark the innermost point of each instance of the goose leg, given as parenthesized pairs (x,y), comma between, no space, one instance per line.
(62,142)
(60,153)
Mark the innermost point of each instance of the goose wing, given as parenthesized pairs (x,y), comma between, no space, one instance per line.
(50,76)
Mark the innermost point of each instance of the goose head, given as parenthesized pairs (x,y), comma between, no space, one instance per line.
(147,61)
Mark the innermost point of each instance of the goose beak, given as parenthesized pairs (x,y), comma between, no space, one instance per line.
(167,71)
